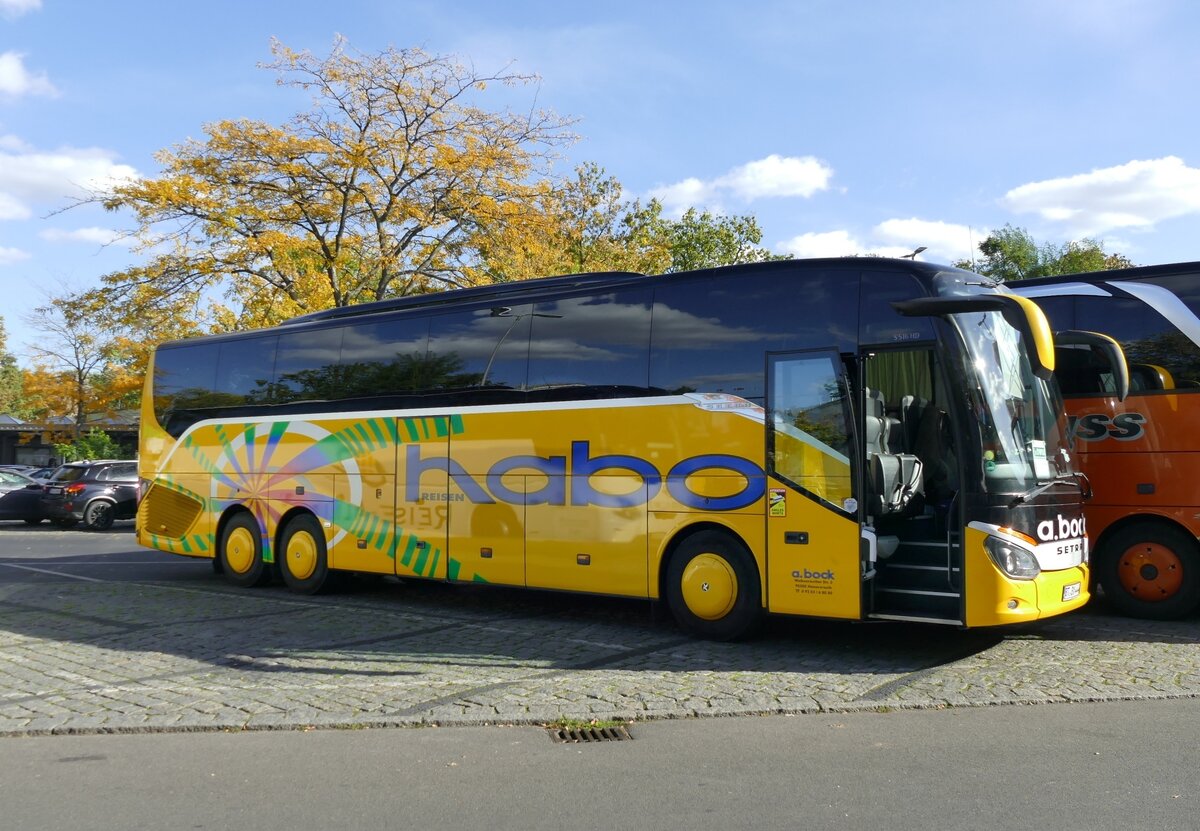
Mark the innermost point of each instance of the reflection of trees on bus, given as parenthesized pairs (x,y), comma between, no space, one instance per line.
(1174,351)
(407,373)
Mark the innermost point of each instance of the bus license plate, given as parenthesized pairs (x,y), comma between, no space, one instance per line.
(1070,591)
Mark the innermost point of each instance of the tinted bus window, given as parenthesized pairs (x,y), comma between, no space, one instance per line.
(383,358)
(880,323)
(245,369)
(486,347)
(307,368)
(712,337)
(593,341)
(184,378)
(1160,356)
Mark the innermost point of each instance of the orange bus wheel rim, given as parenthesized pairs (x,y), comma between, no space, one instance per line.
(709,587)
(302,555)
(239,550)
(1150,571)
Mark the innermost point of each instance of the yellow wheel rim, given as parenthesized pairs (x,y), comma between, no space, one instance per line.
(239,550)
(709,586)
(301,555)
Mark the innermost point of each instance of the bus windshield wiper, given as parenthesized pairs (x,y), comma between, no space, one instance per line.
(1041,487)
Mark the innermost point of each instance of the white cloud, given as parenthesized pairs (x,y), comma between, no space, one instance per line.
(828,244)
(16,8)
(98,236)
(775,176)
(945,241)
(16,80)
(1136,195)
(8,256)
(31,177)
(11,208)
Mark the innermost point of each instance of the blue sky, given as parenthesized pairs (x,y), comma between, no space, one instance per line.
(844,127)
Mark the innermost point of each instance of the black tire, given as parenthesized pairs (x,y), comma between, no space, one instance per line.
(303,560)
(713,587)
(29,520)
(98,515)
(240,552)
(1150,570)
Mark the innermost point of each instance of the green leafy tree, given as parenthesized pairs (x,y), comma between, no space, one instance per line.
(12,392)
(1012,254)
(586,224)
(704,240)
(94,444)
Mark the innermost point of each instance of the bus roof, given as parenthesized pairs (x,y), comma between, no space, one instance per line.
(1136,273)
(541,288)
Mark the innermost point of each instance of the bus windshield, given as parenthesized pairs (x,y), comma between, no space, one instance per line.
(1021,426)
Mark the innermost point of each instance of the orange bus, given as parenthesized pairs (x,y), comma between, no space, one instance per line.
(1141,455)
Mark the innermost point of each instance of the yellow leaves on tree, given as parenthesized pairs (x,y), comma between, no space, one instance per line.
(385,186)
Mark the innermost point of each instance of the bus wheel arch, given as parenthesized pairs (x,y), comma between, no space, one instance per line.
(239,549)
(303,554)
(1149,568)
(711,583)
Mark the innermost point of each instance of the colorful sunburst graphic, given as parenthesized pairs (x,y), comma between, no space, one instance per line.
(272,466)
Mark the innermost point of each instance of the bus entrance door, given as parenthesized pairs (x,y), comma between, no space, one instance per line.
(813,551)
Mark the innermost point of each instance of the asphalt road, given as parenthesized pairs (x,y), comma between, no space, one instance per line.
(1076,767)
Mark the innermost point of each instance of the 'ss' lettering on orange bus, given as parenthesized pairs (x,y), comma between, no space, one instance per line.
(1142,454)
(841,438)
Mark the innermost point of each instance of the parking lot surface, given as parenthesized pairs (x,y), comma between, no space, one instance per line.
(99,635)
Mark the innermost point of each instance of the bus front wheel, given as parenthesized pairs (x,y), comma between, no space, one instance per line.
(1150,570)
(240,552)
(713,588)
(305,564)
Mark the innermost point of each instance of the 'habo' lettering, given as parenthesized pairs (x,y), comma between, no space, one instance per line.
(568,480)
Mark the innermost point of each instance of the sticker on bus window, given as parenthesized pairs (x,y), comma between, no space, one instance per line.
(1041,467)
(777,502)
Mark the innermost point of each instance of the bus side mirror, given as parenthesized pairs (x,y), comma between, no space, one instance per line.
(1098,347)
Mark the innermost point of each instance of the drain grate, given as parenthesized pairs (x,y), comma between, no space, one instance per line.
(565,735)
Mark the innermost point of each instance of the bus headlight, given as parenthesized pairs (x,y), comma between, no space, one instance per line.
(1014,560)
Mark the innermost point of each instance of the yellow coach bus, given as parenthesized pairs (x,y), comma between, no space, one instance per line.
(842,438)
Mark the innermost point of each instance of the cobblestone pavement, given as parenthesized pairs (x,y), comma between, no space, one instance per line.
(132,640)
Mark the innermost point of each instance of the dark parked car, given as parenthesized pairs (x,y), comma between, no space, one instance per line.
(20,497)
(94,493)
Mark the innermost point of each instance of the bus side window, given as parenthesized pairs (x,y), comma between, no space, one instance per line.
(591,343)
(486,347)
(244,371)
(1168,356)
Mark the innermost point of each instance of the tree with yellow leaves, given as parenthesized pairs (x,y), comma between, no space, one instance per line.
(379,189)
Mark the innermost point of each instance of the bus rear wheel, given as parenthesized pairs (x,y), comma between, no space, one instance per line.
(305,563)
(1152,571)
(713,588)
(240,552)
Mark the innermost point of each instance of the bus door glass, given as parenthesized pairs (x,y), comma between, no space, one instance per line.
(813,550)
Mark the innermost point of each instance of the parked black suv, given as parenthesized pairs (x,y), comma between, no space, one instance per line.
(94,493)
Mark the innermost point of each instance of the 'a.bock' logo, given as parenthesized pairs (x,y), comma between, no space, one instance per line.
(568,479)
(1061,528)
